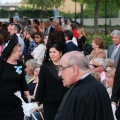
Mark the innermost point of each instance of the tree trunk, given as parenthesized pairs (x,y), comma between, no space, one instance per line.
(81,15)
(96,16)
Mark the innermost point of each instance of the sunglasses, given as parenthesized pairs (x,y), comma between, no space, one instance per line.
(37,37)
(96,66)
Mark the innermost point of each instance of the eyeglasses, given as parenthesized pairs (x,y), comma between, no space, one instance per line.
(60,68)
(96,66)
(37,37)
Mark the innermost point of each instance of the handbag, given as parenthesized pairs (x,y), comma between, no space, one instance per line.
(87,48)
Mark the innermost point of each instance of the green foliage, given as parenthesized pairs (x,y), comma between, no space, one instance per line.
(29,13)
(112,11)
(46,4)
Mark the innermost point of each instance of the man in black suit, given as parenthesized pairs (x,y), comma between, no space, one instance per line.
(48,28)
(87,98)
(68,38)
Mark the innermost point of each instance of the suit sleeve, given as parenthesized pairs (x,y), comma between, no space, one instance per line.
(41,85)
(108,56)
(116,85)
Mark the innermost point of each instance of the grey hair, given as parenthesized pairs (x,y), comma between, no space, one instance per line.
(56,20)
(101,61)
(16,46)
(32,65)
(80,60)
(68,27)
(116,32)
(48,22)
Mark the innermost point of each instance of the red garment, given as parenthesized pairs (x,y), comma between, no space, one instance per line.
(58,28)
(75,33)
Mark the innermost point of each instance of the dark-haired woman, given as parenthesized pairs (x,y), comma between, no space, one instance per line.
(39,51)
(50,90)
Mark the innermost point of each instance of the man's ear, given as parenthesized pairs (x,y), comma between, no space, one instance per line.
(75,69)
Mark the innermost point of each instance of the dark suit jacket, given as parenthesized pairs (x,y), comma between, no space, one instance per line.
(50,87)
(51,30)
(85,100)
(109,53)
(116,87)
(72,47)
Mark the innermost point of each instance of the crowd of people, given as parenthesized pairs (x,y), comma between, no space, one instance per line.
(46,62)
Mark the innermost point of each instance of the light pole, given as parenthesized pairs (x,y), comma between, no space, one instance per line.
(75,10)
(0,12)
(105,17)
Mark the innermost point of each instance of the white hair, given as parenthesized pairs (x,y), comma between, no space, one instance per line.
(116,32)
(56,20)
(101,61)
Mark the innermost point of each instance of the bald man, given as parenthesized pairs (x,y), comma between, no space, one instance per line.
(87,98)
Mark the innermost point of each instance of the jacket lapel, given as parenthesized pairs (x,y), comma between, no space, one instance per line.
(111,50)
(54,72)
(118,52)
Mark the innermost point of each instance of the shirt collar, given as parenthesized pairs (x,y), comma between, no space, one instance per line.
(85,75)
(117,46)
(18,34)
(68,41)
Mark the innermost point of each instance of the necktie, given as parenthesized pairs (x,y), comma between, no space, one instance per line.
(113,53)
(46,32)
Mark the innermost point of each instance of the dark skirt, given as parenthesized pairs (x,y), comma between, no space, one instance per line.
(11,111)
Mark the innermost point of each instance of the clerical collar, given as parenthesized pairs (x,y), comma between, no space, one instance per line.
(85,75)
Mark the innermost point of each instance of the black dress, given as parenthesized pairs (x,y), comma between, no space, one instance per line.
(50,90)
(11,80)
(81,42)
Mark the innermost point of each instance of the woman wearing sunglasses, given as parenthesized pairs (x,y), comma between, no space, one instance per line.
(39,51)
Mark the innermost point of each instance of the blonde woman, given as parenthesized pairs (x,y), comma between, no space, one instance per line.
(110,79)
(81,39)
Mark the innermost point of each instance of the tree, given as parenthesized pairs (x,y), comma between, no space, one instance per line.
(82,2)
(45,4)
(97,3)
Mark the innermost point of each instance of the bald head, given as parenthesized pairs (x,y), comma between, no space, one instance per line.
(76,58)
(73,65)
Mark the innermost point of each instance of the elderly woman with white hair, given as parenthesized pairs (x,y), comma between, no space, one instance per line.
(31,65)
(99,67)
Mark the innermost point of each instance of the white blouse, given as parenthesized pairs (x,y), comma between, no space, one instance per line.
(39,51)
